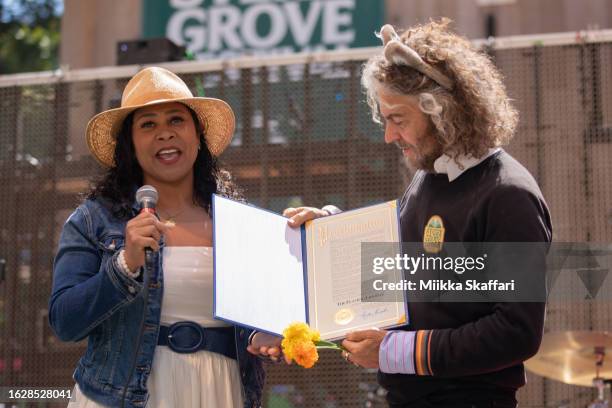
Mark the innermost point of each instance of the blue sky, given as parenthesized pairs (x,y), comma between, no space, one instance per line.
(13,5)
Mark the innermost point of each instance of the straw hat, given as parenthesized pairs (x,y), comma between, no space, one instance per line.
(152,86)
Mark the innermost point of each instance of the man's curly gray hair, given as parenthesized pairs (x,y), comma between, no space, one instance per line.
(469,119)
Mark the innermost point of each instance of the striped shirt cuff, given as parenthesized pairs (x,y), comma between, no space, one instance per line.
(405,352)
(396,351)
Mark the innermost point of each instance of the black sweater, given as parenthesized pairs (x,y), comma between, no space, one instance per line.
(473,346)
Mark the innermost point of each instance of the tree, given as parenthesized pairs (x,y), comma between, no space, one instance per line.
(29,35)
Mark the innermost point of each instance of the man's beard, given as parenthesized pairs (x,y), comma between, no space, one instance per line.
(424,155)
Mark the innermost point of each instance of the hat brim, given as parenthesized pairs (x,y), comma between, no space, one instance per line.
(215,115)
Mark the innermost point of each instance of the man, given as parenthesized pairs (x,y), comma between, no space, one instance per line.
(444,106)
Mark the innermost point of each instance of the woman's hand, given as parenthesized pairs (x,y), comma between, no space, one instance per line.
(298,216)
(267,345)
(142,231)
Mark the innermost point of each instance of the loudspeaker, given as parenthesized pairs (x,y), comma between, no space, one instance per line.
(148,51)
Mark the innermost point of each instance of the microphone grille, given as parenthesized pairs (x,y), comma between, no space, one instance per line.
(146,193)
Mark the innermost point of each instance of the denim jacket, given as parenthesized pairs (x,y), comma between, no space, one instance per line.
(92,298)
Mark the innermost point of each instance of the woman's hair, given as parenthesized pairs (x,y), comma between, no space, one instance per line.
(475,116)
(118,185)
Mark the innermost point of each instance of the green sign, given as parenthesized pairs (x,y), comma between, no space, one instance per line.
(222,28)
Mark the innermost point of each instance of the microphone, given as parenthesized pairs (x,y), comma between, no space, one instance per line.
(146,197)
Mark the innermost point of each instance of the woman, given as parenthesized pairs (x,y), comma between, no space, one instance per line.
(169,352)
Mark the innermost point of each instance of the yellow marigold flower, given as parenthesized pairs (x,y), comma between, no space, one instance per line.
(302,331)
(297,331)
(300,343)
(287,346)
(295,334)
(305,354)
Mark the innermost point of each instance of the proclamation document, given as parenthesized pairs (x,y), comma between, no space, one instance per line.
(336,304)
(268,275)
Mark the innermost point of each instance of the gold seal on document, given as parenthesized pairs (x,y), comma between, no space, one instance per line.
(344,316)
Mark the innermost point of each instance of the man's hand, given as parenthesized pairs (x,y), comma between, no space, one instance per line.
(266,345)
(363,347)
(298,216)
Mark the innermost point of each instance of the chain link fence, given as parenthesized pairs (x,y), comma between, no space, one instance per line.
(304,136)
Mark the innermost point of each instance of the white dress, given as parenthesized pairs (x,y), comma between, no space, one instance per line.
(197,380)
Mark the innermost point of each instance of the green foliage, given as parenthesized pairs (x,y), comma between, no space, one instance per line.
(29,35)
